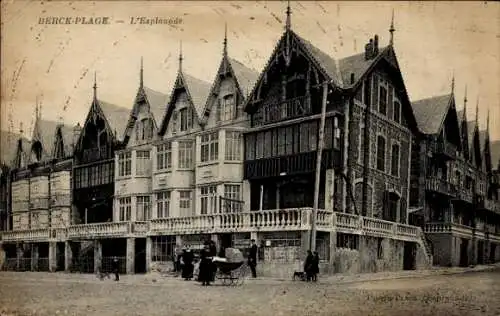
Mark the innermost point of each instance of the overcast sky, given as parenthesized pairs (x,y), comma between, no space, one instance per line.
(56,62)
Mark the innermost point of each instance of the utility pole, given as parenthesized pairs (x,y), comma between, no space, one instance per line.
(321,144)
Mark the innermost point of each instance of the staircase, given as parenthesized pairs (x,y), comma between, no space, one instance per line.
(426,246)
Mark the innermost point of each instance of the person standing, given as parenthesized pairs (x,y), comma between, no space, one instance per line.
(252,259)
(115,265)
(308,265)
(187,258)
(315,266)
(205,266)
(213,253)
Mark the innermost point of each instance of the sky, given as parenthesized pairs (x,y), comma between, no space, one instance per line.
(55,64)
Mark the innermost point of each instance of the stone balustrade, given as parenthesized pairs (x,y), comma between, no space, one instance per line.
(252,221)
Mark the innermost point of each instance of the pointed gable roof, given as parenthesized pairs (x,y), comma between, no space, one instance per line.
(326,64)
(157,103)
(44,132)
(67,139)
(116,116)
(197,91)
(245,77)
(9,146)
(431,112)
(358,65)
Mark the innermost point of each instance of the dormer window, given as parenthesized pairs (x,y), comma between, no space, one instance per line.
(186,119)
(36,151)
(227,107)
(144,129)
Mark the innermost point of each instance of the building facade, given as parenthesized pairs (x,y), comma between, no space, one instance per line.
(237,159)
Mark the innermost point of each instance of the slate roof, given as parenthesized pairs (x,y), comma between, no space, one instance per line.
(245,76)
(67,136)
(327,62)
(117,118)
(157,102)
(44,132)
(430,113)
(358,65)
(8,146)
(198,91)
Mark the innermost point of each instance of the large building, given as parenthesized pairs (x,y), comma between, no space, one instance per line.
(237,159)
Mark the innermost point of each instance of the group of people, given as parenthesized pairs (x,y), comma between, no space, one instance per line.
(207,269)
(311,266)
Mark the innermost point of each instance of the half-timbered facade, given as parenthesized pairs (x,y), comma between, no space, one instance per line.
(453,186)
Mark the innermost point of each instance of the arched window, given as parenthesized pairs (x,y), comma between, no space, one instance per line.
(381,153)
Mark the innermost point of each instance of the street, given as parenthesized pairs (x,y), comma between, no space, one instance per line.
(473,293)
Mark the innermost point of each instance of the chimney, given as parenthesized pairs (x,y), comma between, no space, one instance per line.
(375,46)
(77,129)
(368,50)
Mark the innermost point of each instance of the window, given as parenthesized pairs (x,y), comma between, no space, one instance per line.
(227,107)
(144,129)
(186,119)
(347,241)
(209,147)
(233,145)
(163,204)
(164,156)
(208,200)
(143,208)
(163,248)
(125,164)
(185,203)
(233,202)
(250,146)
(397,112)
(380,248)
(361,139)
(125,208)
(186,155)
(395,160)
(382,106)
(381,153)
(143,163)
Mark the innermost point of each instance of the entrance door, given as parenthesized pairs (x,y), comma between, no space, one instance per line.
(480,252)
(140,255)
(409,256)
(60,255)
(492,252)
(464,253)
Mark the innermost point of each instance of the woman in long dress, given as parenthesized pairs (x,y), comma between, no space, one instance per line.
(187,258)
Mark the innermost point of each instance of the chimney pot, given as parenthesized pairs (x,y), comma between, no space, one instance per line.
(368,50)
(375,46)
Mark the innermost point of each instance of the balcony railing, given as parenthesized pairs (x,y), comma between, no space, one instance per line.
(282,110)
(446,149)
(440,186)
(98,230)
(464,194)
(26,235)
(447,228)
(95,154)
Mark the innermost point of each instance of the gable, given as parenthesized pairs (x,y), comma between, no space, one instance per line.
(288,48)
(431,112)
(450,125)
(58,151)
(464,134)
(190,93)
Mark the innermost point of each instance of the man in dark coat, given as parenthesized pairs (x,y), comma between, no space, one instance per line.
(115,265)
(213,253)
(315,266)
(252,258)
(205,273)
(308,265)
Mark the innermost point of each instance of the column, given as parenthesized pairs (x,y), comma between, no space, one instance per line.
(52,256)
(19,257)
(149,248)
(329,189)
(130,255)
(246,192)
(34,257)
(97,255)
(68,256)
(333,249)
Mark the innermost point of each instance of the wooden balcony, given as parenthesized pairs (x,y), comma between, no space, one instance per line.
(289,165)
(96,154)
(282,110)
(440,186)
(464,195)
(445,149)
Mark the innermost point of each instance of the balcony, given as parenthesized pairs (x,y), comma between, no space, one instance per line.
(436,228)
(32,235)
(445,149)
(281,111)
(440,186)
(464,195)
(96,230)
(289,165)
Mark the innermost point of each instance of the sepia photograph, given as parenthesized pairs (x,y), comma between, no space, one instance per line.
(249,158)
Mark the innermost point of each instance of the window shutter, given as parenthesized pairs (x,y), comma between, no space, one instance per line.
(390,105)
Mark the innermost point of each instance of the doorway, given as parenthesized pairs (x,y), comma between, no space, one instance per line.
(226,241)
(464,253)
(480,252)
(493,248)
(140,255)
(60,256)
(409,255)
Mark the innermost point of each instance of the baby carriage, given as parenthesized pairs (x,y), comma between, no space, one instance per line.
(232,269)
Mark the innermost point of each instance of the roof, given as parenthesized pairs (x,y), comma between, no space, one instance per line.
(44,132)
(67,136)
(198,91)
(117,118)
(357,65)
(245,76)
(495,153)
(431,112)
(327,62)
(8,146)
(157,103)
